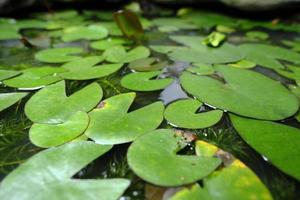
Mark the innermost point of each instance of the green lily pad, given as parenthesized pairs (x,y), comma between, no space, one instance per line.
(6,74)
(153,158)
(244,92)
(49,135)
(9,34)
(268,55)
(50,105)
(34,78)
(54,181)
(91,32)
(183,114)
(82,63)
(257,35)
(140,81)
(108,43)
(147,64)
(201,69)
(94,72)
(58,55)
(295,45)
(234,181)
(172,24)
(246,64)
(118,54)
(214,39)
(111,124)
(9,99)
(279,143)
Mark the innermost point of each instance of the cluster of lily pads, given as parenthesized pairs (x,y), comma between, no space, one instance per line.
(221,78)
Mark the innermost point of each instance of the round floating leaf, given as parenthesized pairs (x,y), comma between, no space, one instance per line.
(147,64)
(9,34)
(48,135)
(183,114)
(58,55)
(140,81)
(82,63)
(51,105)
(118,54)
(92,72)
(201,69)
(244,92)
(34,78)
(9,99)
(108,43)
(246,64)
(6,74)
(153,158)
(268,55)
(111,124)
(48,176)
(91,32)
(257,35)
(277,142)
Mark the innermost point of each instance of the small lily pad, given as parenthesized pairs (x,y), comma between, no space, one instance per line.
(279,143)
(147,64)
(58,55)
(111,124)
(214,39)
(153,158)
(257,35)
(118,54)
(183,114)
(49,135)
(140,81)
(50,105)
(34,78)
(243,92)
(54,181)
(9,99)
(108,43)
(82,63)
(91,32)
(246,64)
(201,69)
(9,34)
(6,74)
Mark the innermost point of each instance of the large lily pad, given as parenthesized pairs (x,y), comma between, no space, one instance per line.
(9,99)
(51,105)
(140,81)
(279,143)
(268,55)
(48,135)
(153,158)
(47,175)
(58,55)
(34,78)
(6,74)
(118,54)
(183,113)
(91,32)
(244,92)
(111,124)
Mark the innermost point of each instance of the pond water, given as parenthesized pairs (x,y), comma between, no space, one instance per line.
(175,42)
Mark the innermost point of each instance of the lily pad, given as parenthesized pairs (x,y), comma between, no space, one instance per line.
(243,92)
(141,81)
(214,39)
(58,55)
(147,64)
(111,124)
(49,135)
(257,35)
(94,72)
(50,105)
(268,55)
(108,43)
(153,158)
(9,34)
(279,143)
(9,99)
(91,32)
(6,74)
(201,69)
(246,64)
(54,181)
(183,113)
(34,78)
(118,54)
(82,63)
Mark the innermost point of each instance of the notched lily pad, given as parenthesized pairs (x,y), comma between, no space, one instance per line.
(9,99)
(50,105)
(111,124)
(58,55)
(141,81)
(244,92)
(153,158)
(183,114)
